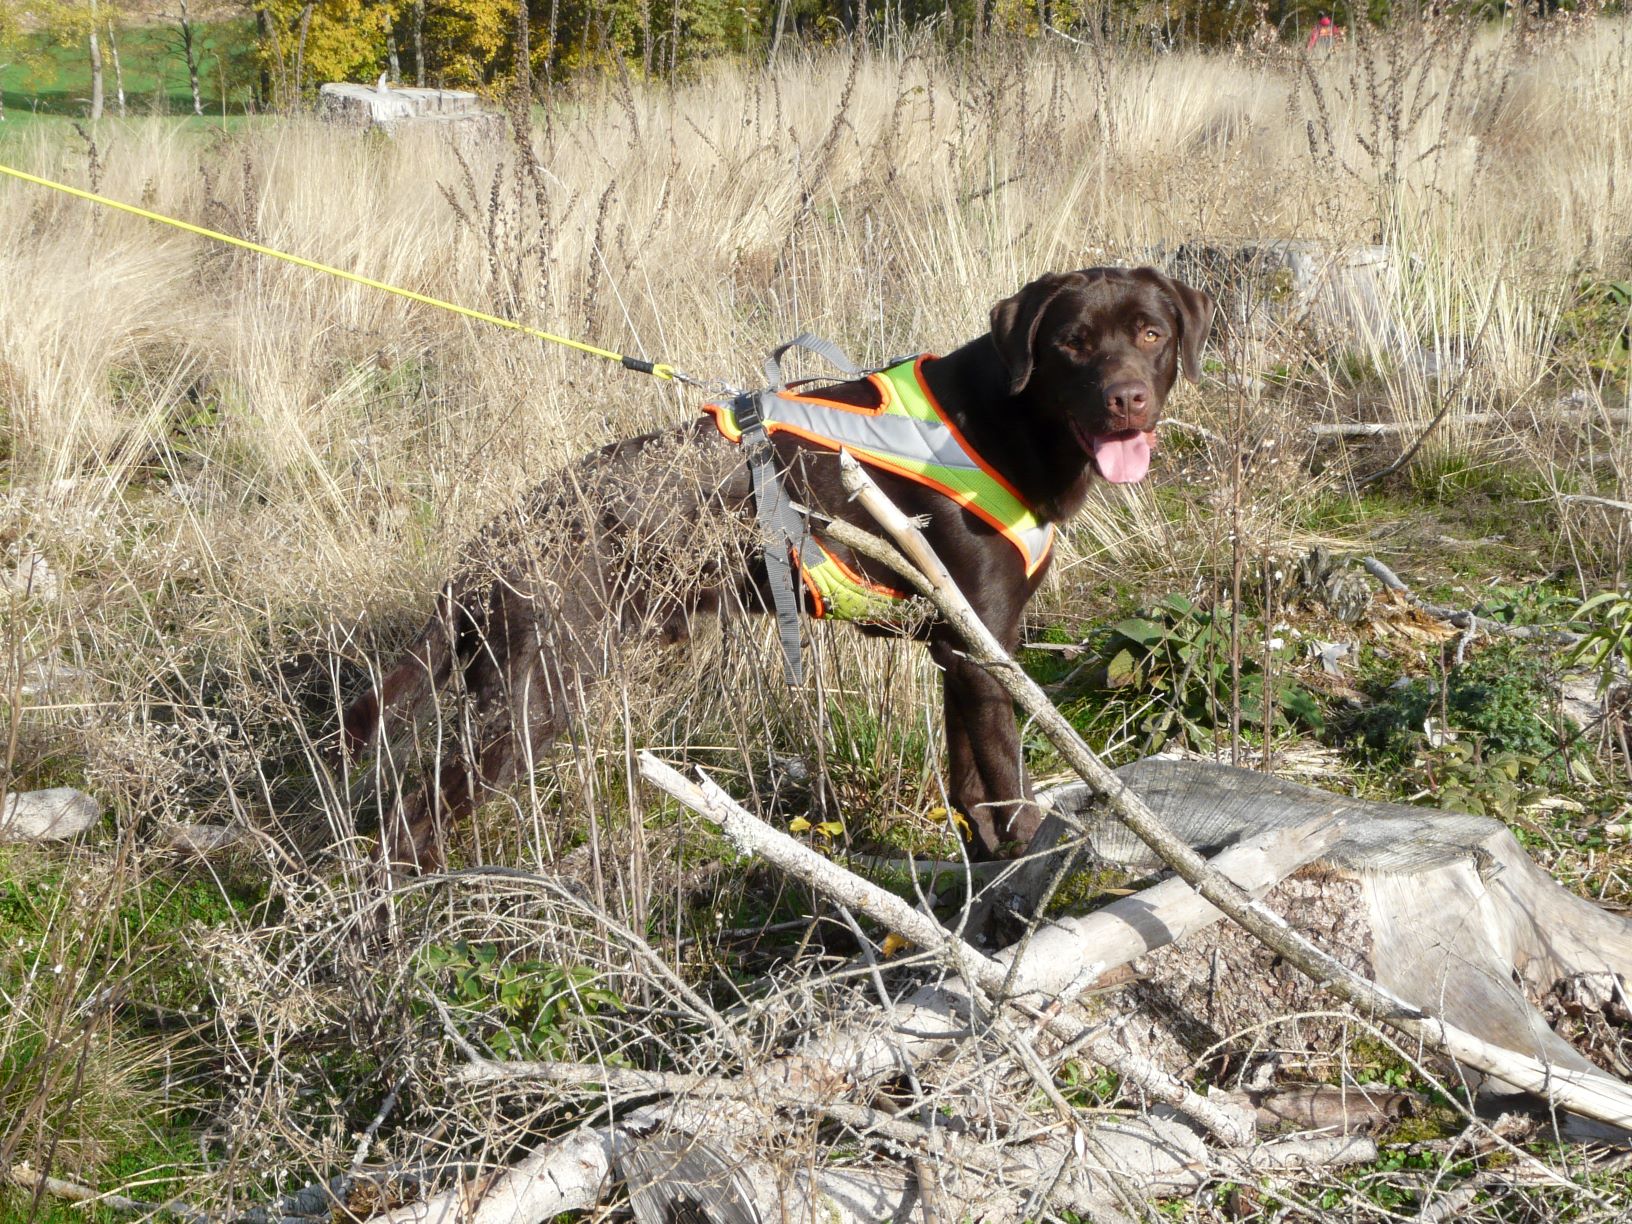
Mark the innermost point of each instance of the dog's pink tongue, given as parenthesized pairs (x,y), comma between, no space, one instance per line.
(1122,458)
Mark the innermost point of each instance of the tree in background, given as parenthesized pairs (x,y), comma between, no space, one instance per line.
(307,42)
(660,36)
(14,45)
(118,69)
(468,43)
(187,40)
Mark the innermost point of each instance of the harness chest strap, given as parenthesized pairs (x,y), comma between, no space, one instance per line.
(784,530)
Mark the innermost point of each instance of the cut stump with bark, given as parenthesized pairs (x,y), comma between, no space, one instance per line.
(1441,908)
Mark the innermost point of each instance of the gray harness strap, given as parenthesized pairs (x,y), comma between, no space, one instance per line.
(783,530)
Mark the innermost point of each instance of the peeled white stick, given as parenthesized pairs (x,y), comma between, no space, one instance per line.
(1228,1122)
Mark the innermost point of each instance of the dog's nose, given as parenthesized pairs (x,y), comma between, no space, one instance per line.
(1128,402)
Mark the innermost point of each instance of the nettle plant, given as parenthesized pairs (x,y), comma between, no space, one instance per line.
(1179,654)
(1477,738)
(534,1009)
(1606,647)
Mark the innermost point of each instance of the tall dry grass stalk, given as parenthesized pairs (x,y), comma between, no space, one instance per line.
(250,478)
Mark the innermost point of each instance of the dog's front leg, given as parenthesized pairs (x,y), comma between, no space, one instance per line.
(986,779)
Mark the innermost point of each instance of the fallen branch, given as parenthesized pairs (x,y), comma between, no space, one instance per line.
(1148,1156)
(1591,1095)
(1384,429)
(950,998)
(32,1179)
(1409,452)
(1586,499)
(1463,619)
(1378,429)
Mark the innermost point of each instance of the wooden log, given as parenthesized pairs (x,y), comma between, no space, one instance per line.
(1069,954)
(920,1027)
(672,1169)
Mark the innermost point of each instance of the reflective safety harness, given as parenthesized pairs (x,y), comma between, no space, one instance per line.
(905,433)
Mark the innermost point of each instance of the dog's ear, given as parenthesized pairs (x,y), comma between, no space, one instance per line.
(1195,307)
(1014,325)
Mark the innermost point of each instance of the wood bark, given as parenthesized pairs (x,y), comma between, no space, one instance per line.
(190,53)
(118,70)
(1056,962)
(1150,1156)
(419,43)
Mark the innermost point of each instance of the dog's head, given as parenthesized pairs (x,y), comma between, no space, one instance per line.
(1099,350)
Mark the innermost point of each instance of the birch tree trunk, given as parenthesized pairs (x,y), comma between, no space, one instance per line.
(118,70)
(419,43)
(776,30)
(192,58)
(96,66)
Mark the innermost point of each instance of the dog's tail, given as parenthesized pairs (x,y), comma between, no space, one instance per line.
(423,669)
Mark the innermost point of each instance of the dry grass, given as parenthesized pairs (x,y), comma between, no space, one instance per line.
(250,478)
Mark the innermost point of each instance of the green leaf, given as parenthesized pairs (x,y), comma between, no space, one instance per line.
(1121,670)
(1137,629)
(1300,704)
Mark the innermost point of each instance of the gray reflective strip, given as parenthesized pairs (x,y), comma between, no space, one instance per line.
(1037,540)
(898,436)
(825,349)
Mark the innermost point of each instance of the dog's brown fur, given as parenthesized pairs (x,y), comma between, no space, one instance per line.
(620,546)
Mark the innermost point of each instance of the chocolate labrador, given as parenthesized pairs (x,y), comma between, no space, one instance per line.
(642,537)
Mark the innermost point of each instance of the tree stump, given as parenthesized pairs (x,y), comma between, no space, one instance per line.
(1444,909)
(390,109)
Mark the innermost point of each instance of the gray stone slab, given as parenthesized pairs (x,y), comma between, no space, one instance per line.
(57,814)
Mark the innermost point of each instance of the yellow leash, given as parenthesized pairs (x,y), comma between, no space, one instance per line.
(658,368)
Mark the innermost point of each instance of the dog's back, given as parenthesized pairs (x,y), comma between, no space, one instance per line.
(633,541)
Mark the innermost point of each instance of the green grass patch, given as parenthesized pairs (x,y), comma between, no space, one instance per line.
(49,79)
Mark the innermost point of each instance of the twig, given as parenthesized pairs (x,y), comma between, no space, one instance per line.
(1586,499)
(637,944)
(1201,431)
(1588,1094)
(1409,452)
(1382,429)
(384,1112)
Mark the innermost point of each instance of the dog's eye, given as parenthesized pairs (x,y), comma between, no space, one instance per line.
(1150,336)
